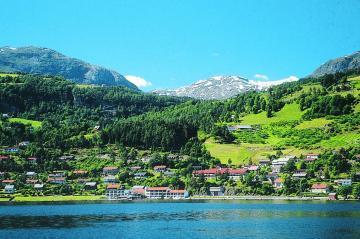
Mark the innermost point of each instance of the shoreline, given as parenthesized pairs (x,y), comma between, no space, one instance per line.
(22,199)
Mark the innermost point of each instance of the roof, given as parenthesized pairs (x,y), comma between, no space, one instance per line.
(138,191)
(113,186)
(279,180)
(253,168)
(38,185)
(319,186)
(110,168)
(91,184)
(9,187)
(160,166)
(178,191)
(8,181)
(4,157)
(157,188)
(56,179)
(80,172)
(230,171)
(32,158)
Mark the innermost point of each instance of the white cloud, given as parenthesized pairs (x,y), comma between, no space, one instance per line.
(138,81)
(215,54)
(290,78)
(261,76)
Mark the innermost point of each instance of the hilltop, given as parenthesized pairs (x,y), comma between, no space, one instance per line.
(340,64)
(45,61)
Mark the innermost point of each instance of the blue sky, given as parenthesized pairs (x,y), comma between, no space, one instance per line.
(175,43)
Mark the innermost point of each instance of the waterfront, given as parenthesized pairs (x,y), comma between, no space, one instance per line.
(200,219)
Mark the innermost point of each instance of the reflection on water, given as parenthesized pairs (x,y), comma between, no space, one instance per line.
(196,220)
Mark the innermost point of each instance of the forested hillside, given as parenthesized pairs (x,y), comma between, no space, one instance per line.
(47,118)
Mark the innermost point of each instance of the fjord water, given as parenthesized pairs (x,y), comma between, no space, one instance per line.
(206,219)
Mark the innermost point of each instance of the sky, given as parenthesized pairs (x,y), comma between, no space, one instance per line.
(167,44)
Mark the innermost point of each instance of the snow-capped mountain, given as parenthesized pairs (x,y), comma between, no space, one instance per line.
(221,87)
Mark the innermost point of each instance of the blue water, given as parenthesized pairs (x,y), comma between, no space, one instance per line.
(216,219)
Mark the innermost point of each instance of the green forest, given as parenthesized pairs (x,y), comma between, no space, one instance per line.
(116,126)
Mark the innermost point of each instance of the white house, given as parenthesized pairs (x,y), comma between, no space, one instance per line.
(216,191)
(115,191)
(9,189)
(343,182)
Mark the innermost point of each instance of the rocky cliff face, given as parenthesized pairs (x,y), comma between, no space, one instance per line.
(45,61)
(340,64)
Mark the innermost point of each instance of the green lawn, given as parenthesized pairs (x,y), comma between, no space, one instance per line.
(288,113)
(342,140)
(8,74)
(33,123)
(57,198)
(315,123)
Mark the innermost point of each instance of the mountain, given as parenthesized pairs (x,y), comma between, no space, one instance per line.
(221,87)
(340,64)
(45,61)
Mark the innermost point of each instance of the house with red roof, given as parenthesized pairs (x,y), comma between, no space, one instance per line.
(4,157)
(279,183)
(160,168)
(110,170)
(115,191)
(320,188)
(32,160)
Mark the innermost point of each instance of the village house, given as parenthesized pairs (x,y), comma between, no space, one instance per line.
(319,188)
(156,192)
(8,181)
(140,175)
(39,186)
(301,173)
(4,157)
(173,157)
(9,189)
(169,173)
(31,181)
(32,160)
(146,159)
(278,183)
(264,162)
(137,192)
(80,173)
(5,116)
(135,168)
(24,143)
(110,179)
(277,164)
(178,194)
(66,158)
(57,173)
(311,157)
(253,168)
(332,196)
(12,150)
(343,182)
(2,175)
(110,170)
(31,174)
(217,191)
(83,180)
(164,192)
(160,168)
(233,128)
(90,185)
(235,174)
(57,180)
(115,191)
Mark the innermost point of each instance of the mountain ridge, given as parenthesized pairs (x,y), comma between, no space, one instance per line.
(46,61)
(221,87)
(340,64)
